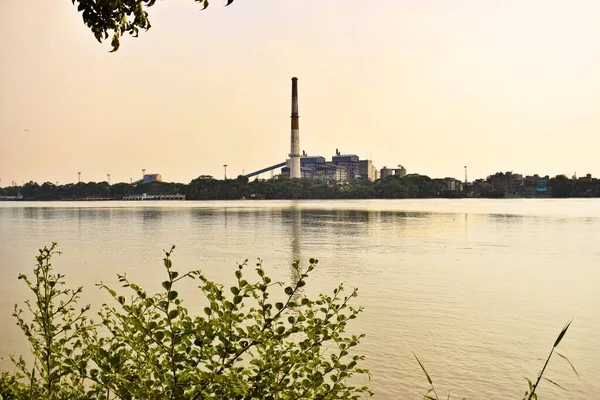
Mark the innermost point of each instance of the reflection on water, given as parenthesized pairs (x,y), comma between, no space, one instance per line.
(478,289)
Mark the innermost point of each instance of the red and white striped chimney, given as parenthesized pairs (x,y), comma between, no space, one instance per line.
(295,171)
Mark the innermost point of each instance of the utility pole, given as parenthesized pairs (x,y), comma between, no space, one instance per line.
(143,173)
(466,181)
(79,177)
(225,169)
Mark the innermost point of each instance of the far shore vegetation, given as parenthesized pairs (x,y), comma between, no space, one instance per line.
(257,339)
(412,186)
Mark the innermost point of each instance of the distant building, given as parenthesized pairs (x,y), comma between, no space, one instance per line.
(453,185)
(586,178)
(348,161)
(385,171)
(149,178)
(507,182)
(515,183)
(535,186)
(316,167)
(338,173)
(542,186)
(313,163)
(401,172)
(367,170)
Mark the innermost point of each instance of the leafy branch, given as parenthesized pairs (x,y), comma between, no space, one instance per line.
(106,18)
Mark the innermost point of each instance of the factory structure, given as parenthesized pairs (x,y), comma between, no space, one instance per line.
(341,168)
(148,178)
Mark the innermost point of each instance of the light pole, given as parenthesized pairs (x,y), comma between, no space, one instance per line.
(108,176)
(225,169)
(143,173)
(79,177)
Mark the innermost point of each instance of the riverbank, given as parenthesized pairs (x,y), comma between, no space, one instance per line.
(412,186)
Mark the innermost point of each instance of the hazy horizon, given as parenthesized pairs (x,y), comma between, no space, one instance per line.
(434,86)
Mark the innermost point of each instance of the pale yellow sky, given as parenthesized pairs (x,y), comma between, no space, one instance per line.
(433,85)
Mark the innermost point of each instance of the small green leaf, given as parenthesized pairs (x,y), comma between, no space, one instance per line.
(166,285)
(424,370)
(572,366)
(562,333)
(554,383)
(173,295)
(173,314)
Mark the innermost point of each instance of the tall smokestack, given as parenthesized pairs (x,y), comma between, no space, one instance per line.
(295,171)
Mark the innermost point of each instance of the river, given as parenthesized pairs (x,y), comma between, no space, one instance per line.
(478,289)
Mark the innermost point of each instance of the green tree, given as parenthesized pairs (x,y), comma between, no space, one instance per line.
(561,186)
(30,190)
(116,18)
(120,190)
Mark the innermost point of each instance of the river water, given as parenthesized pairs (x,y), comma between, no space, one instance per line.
(478,289)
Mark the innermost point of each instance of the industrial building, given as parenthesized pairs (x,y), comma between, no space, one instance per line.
(348,161)
(453,185)
(341,168)
(400,171)
(367,170)
(149,178)
(316,167)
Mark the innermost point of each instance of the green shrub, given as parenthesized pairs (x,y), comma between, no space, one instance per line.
(243,346)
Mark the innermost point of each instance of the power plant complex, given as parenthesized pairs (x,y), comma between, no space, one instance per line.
(341,168)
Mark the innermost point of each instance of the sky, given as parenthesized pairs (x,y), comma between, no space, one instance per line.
(497,85)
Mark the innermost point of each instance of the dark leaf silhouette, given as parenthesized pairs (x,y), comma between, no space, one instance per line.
(116,18)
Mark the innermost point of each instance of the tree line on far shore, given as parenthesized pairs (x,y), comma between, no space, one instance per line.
(208,188)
